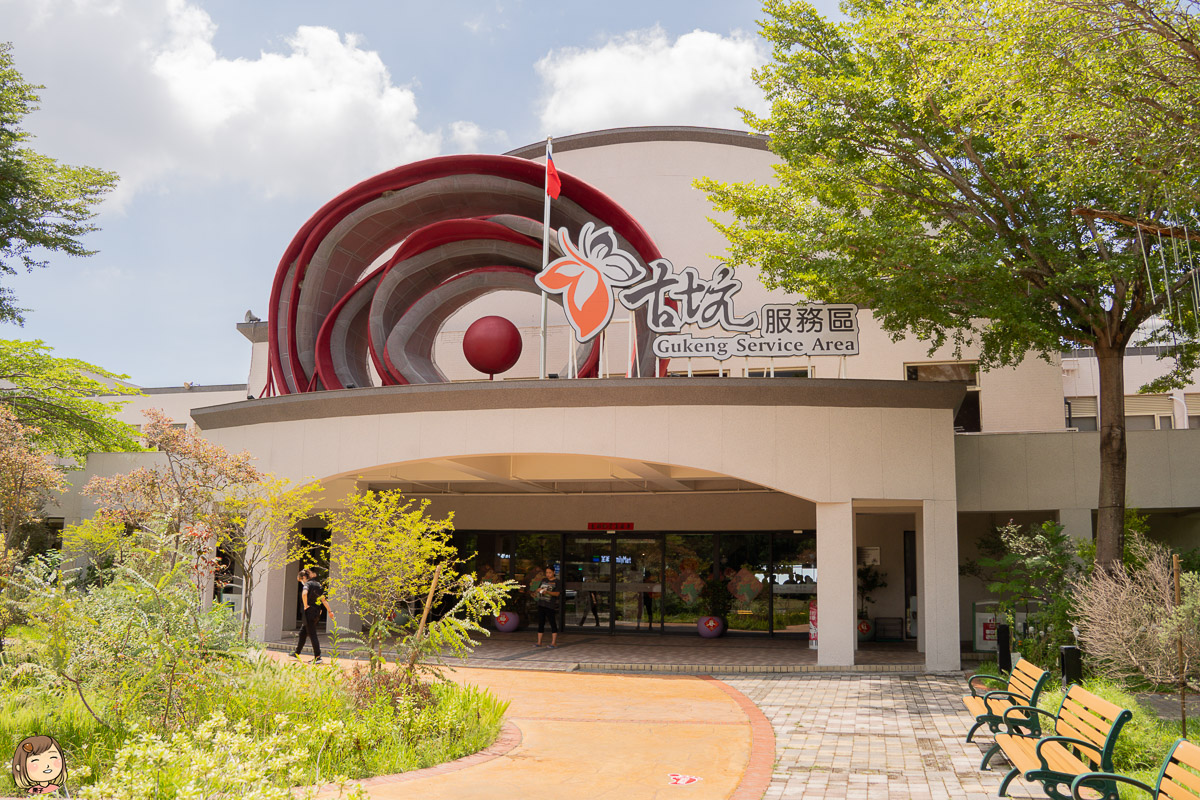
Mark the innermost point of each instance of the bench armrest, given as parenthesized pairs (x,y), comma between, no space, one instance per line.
(1027,718)
(1096,777)
(1066,740)
(983,676)
(1002,693)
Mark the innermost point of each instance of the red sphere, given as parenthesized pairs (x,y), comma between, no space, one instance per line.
(492,345)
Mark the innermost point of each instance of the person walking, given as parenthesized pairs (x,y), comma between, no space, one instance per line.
(547,594)
(311,597)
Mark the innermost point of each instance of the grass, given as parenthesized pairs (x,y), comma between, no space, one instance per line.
(340,737)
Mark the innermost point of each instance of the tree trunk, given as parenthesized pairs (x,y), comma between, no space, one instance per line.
(1110,523)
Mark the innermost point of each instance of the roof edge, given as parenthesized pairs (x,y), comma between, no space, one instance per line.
(648,133)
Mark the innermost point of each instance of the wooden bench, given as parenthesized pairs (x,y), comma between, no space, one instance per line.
(1023,688)
(1179,778)
(1085,730)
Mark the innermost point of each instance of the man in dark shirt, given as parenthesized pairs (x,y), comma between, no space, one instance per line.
(311,598)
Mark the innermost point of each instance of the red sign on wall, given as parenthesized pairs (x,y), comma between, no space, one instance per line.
(610,526)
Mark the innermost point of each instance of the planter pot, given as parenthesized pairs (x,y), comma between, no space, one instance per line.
(507,621)
(710,627)
(866,630)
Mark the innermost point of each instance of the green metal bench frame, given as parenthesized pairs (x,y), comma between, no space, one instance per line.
(1013,691)
(1175,781)
(1049,777)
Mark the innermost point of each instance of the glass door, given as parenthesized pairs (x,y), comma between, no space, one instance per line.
(637,601)
(587,581)
(795,571)
(689,566)
(745,567)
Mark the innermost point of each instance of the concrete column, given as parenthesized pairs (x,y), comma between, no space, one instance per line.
(1077,523)
(271,601)
(836,587)
(937,586)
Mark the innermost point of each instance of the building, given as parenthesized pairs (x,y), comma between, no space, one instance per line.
(645,473)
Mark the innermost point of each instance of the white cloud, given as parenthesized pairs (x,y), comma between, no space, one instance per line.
(642,78)
(311,117)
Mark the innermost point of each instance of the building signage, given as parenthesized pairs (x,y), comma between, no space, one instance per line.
(610,526)
(596,275)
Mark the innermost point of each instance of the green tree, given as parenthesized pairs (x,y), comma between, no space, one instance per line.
(1033,574)
(896,193)
(58,396)
(44,205)
(396,568)
(1091,87)
(259,530)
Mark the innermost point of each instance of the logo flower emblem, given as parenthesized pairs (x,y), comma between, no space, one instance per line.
(586,277)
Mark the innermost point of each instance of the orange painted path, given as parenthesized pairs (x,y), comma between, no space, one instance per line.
(617,737)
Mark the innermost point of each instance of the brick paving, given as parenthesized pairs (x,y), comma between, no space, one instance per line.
(594,652)
(862,737)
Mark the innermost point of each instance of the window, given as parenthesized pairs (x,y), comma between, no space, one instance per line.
(792,372)
(968,419)
(1081,413)
(1149,412)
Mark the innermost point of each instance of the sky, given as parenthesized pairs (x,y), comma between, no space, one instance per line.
(231,122)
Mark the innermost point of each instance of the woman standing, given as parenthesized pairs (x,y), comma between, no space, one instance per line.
(547,594)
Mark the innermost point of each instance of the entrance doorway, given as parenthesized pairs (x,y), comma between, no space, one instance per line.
(653,582)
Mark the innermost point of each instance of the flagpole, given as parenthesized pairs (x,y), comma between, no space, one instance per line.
(545,263)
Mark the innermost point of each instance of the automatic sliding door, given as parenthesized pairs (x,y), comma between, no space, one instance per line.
(587,579)
(637,604)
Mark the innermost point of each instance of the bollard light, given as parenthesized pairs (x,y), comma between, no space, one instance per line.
(1004,647)
(1070,662)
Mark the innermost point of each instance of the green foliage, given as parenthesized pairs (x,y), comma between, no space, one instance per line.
(395,567)
(1142,743)
(268,706)
(58,397)
(134,646)
(44,205)
(1033,573)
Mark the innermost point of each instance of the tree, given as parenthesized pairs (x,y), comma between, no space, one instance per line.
(397,569)
(44,205)
(896,193)
(259,529)
(58,397)
(28,478)
(180,501)
(1093,87)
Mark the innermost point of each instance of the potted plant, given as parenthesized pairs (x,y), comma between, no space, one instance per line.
(870,579)
(717,601)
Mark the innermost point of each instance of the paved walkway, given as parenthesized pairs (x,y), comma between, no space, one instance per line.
(581,649)
(608,737)
(863,737)
(745,737)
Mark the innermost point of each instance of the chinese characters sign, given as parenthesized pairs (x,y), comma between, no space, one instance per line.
(598,274)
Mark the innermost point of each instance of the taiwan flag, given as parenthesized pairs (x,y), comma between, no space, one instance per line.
(553,182)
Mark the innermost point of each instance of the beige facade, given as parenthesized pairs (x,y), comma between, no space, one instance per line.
(856,451)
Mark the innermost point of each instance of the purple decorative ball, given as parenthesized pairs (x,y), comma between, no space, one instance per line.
(492,345)
(507,621)
(710,627)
